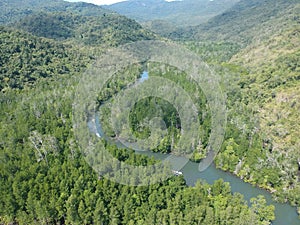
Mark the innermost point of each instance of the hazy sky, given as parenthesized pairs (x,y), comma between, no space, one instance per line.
(98,2)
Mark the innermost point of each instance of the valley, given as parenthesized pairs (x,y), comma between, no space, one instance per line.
(49,50)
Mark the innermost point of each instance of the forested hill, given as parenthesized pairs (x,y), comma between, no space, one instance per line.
(28,54)
(44,178)
(178,13)
(272,56)
(264,99)
(27,59)
(104,30)
(246,20)
(12,10)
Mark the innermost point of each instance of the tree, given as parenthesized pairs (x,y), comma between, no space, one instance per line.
(259,207)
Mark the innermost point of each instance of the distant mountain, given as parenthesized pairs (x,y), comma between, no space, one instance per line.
(244,21)
(179,13)
(12,10)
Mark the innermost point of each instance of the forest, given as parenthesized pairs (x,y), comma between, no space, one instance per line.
(44,177)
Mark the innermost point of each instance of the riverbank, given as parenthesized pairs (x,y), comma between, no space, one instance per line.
(284,212)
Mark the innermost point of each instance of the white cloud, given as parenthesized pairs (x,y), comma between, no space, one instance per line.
(98,2)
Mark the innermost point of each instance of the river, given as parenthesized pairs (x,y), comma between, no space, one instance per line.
(285,214)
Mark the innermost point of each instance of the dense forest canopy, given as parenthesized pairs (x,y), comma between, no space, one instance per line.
(106,30)
(44,48)
(44,178)
(262,55)
(27,59)
(13,10)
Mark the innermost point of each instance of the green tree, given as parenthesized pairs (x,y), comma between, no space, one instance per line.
(264,212)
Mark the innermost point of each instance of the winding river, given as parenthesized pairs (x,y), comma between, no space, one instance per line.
(285,214)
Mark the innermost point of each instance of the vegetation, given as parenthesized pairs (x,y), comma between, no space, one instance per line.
(260,73)
(105,30)
(26,59)
(245,22)
(149,108)
(179,13)
(44,178)
(14,10)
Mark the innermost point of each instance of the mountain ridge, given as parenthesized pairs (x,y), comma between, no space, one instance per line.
(13,10)
(179,13)
(235,24)
(103,30)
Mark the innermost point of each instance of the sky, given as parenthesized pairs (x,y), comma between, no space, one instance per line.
(98,2)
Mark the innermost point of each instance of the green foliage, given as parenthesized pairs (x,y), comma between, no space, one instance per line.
(194,92)
(45,179)
(213,52)
(43,176)
(14,10)
(260,75)
(25,59)
(228,159)
(264,213)
(272,91)
(105,30)
(147,109)
(57,26)
(245,21)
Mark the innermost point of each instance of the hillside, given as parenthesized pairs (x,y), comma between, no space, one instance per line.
(44,178)
(178,13)
(29,54)
(104,30)
(262,144)
(244,21)
(272,86)
(44,175)
(26,59)
(12,10)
